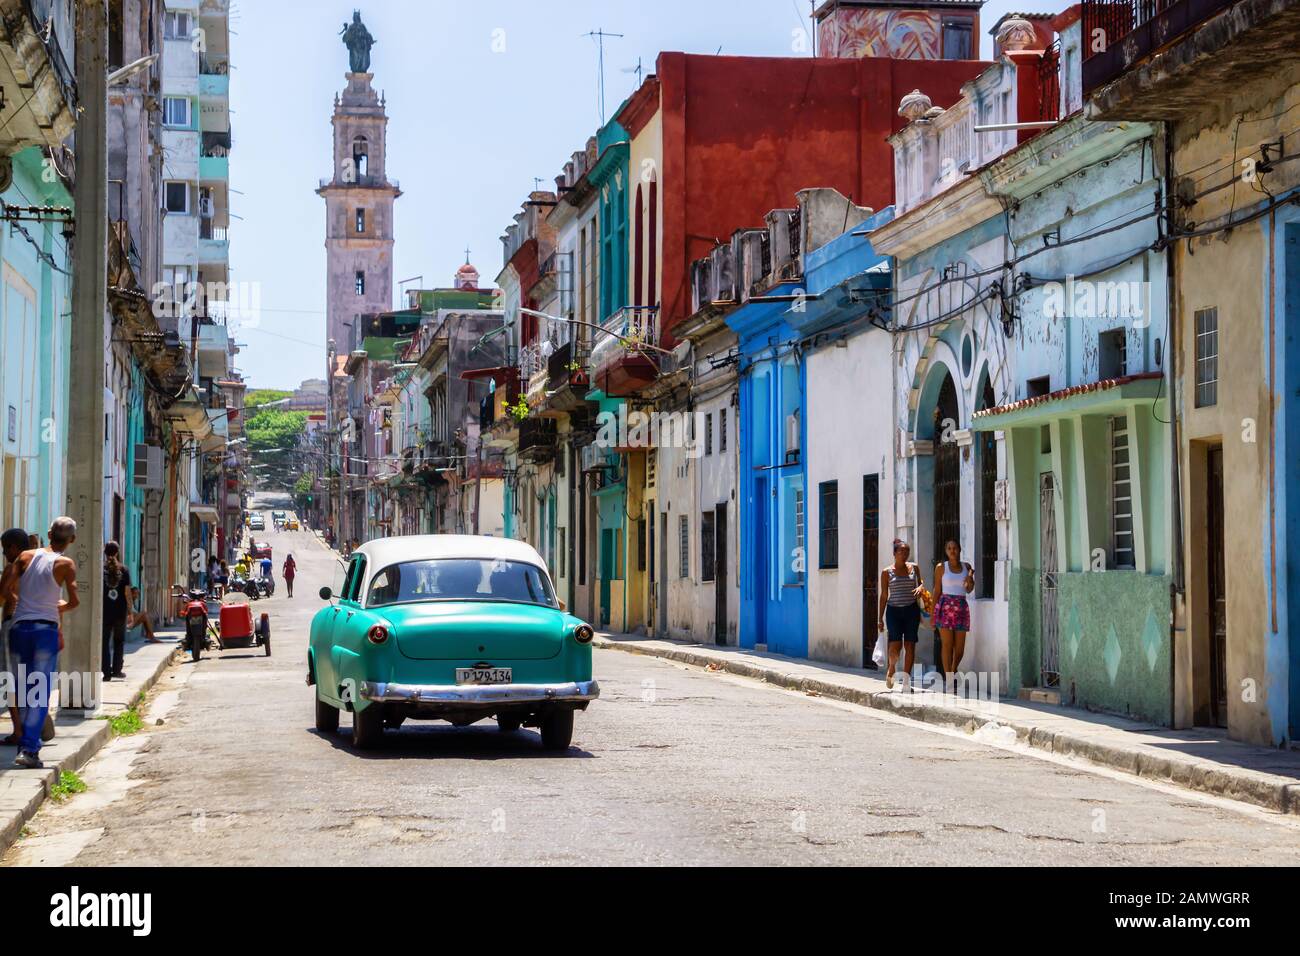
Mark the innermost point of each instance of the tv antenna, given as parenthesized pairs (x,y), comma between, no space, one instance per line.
(635,69)
(599,34)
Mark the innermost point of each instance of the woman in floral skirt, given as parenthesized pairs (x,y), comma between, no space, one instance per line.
(953,580)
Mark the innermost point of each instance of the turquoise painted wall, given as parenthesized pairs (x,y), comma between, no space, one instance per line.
(36,253)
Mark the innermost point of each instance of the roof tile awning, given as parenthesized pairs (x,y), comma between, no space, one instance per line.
(1095,397)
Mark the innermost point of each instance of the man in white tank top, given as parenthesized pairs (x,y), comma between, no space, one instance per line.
(35,637)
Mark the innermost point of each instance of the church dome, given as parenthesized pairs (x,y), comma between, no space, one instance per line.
(467,277)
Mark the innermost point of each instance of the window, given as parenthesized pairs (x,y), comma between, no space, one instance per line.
(684,547)
(176,111)
(640,544)
(1037,387)
(1207,357)
(176,198)
(560,565)
(708,434)
(361,220)
(988,464)
(956,38)
(799,527)
(706,546)
(828,528)
(722,429)
(460,579)
(1121,495)
(361,283)
(1112,354)
(176,26)
(360,156)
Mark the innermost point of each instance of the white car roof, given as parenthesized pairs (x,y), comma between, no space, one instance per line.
(382,552)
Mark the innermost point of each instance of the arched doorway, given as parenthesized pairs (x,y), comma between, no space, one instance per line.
(946,522)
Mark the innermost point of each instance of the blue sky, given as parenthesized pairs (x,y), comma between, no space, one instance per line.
(470,127)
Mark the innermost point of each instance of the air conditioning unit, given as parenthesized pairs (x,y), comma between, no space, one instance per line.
(148,470)
(593,456)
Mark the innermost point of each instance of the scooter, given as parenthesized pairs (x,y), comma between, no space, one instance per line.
(267,586)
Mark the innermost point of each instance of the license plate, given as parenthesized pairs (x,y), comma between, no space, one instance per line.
(483,675)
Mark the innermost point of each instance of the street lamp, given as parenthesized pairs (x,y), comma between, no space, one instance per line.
(131,69)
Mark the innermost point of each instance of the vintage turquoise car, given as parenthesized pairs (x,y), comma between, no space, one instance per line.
(448,627)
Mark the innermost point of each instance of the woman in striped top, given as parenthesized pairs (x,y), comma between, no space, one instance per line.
(900,586)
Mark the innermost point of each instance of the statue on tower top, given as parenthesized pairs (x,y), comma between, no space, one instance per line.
(358,41)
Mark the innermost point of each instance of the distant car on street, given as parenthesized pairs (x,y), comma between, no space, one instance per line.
(449,627)
(257,522)
(291,524)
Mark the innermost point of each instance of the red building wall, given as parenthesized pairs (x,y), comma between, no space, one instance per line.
(741,135)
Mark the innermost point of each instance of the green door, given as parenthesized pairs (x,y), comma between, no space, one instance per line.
(606,572)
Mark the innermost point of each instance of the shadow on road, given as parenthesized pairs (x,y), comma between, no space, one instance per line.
(463,743)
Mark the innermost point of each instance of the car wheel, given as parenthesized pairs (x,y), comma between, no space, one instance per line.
(367,727)
(327,717)
(509,724)
(557,730)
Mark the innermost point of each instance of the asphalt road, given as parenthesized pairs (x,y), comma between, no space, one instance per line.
(671,766)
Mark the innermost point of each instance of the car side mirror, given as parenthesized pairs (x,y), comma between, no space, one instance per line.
(326,593)
(563,606)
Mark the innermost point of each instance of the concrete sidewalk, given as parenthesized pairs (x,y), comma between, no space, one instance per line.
(77,738)
(1201,759)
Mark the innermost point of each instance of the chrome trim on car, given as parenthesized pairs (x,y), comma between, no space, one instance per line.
(572,691)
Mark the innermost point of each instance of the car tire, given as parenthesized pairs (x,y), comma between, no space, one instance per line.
(557,730)
(367,727)
(508,725)
(327,717)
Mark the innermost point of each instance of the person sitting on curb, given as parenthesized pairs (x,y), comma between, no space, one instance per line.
(36,635)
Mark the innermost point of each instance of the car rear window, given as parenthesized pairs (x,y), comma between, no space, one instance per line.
(461,579)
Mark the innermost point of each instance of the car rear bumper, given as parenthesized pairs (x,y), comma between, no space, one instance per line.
(461,695)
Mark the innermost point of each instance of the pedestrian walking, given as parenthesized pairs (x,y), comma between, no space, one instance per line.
(289,570)
(117,607)
(956,578)
(900,615)
(14,543)
(35,637)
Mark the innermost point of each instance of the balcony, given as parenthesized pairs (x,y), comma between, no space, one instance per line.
(364,181)
(566,378)
(532,372)
(1163,59)
(214,249)
(537,438)
(214,168)
(36,48)
(1049,84)
(213,349)
(214,86)
(620,366)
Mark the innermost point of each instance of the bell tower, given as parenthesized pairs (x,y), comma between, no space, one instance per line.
(359,199)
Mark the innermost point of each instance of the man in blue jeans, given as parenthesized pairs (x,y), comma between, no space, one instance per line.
(35,637)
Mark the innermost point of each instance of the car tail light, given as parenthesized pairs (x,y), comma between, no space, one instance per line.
(583,633)
(377,634)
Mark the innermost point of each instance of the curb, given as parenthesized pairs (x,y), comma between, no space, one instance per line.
(1271,791)
(13,819)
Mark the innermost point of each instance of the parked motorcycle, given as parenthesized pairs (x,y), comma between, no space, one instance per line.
(197,639)
(267,586)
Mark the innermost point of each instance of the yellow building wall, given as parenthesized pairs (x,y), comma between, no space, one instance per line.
(1229,271)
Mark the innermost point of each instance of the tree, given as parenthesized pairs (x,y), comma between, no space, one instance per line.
(273,434)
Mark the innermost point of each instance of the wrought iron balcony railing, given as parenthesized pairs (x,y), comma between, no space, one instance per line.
(1119,33)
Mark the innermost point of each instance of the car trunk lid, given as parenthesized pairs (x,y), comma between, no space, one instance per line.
(476,631)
